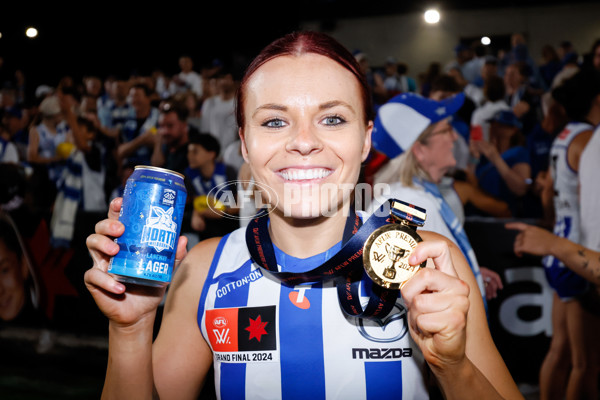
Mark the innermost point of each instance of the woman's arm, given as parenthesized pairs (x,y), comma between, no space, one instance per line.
(181,358)
(448,321)
(131,311)
(541,242)
(516,178)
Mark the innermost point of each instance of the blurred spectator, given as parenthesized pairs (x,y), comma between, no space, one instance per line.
(92,85)
(391,78)
(503,169)
(218,111)
(520,96)
(171,149)
(194,106)
(138,133)
(494,93)
(427,78)
(373,79)
(519,53)
(551,64)
(395,78)
(203,175)
(9,129)
(407,83)
(569,67)
(82,183)
(565,48)
(115,110)
(446,86)
(46,136)
(539,142)
(187,78)
(473,93)
(463,55)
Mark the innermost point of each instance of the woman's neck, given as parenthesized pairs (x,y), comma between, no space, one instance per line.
(305,237)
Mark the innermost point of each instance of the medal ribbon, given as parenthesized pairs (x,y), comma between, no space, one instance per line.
(345,267)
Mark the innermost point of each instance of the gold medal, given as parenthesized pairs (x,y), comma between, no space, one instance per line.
(387,249)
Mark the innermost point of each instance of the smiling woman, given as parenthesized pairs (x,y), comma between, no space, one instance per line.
(305,123)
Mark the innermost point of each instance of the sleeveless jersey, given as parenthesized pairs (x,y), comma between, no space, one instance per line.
(48,143)
(566,283)
(272,341)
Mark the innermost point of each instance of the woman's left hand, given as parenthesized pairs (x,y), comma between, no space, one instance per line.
(438,303)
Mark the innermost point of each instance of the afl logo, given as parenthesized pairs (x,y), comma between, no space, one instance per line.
(220,322)
(390,329)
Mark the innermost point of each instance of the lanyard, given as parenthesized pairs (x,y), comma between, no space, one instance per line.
(345,267)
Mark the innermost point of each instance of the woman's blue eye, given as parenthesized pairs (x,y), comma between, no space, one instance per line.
(274,123)
(333,120)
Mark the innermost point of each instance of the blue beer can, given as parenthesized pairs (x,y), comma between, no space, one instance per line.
(152,212)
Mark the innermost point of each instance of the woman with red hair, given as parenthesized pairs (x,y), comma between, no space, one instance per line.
(305,122)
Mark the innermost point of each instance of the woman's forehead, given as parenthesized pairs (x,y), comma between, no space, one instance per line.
(308,76)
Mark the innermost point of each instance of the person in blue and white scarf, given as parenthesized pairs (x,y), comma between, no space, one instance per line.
(416,134)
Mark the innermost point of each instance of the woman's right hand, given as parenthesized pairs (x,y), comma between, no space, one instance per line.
(123,305)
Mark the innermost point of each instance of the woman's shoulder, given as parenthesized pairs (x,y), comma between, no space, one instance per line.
(225,253)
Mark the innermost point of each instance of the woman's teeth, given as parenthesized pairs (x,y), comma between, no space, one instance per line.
(305,174)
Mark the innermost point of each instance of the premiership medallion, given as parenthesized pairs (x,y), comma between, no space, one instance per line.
(387,249)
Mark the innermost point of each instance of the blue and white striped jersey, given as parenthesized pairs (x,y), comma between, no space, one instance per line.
(565,282)
(271,341)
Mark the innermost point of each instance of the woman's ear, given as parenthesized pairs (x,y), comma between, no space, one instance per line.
(367,143)
(244,149)
(418,151)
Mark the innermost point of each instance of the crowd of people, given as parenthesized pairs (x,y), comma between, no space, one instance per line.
(496,135)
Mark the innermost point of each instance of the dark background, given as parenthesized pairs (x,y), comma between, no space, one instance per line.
(120,38)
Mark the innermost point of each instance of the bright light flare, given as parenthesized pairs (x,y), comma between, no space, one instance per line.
(486,41)
(432,16)
(31,32)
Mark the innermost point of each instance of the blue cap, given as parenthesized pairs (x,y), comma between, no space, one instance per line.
(401,120)
(506,117)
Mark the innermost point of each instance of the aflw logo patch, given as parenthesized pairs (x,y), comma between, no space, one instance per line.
(242,329)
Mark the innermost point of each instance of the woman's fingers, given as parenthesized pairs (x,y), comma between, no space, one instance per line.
(181,250)
(438,251)
(110,227)
(101,248)
(442,278)
(95,279)
(518,226)
(115,208)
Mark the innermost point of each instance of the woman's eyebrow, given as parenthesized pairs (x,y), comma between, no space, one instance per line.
(335,103)
(323,106)
(270,106)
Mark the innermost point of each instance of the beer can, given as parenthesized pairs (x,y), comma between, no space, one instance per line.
(152,212)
